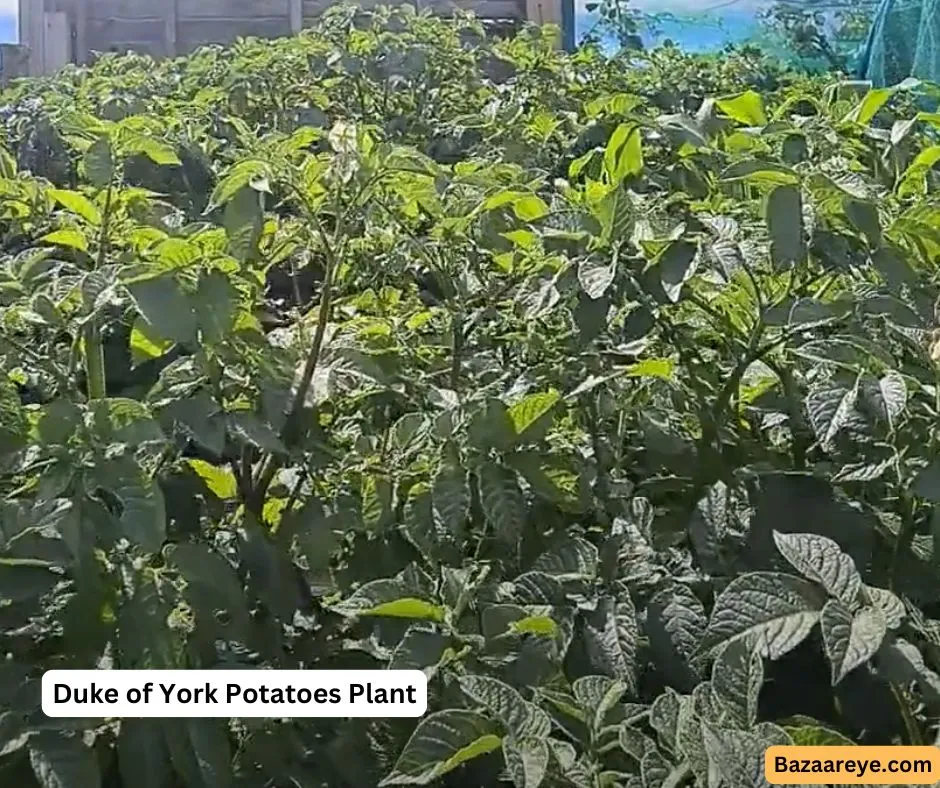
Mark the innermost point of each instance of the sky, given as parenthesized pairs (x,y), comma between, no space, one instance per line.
(722,22)
(8,27)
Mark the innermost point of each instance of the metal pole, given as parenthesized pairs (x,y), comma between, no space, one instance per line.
(568,25)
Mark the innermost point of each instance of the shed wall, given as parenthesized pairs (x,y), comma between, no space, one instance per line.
(175,27)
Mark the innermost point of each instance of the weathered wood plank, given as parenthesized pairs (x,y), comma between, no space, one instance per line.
(80,20)
(154,48)
(296,15)
(57,49)
(169,26)
(485,9)
(191,34)
(544,12)
(314,8)
(31,32)
(123,9)
(126,29)
(232,9)
(119,35)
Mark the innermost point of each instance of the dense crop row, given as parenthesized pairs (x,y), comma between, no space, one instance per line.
(605,393)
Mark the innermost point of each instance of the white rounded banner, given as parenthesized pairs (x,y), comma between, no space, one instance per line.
(234,693)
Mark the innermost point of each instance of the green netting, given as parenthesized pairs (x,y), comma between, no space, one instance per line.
(904,42)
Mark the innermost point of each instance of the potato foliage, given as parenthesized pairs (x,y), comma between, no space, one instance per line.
(605,392)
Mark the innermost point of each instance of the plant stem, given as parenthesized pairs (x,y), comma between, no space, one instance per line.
(94,349)
(272,464)
(910,723)
(904,538)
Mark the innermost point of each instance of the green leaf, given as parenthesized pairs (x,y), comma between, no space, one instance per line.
(885,399)
(251,429)
(662,368)
(850,639)
(530,208)
(596,276)
(598,696)
(914,179)
(422,648)
(201,418)
(821,560)
(144,344)
(927,482)
(776,610)
(451,497)
(407,608)
(243,221)
(526,761)
(571,559)
(525,414)
(200,751)
(868,107)
(611,638)
(8,168)
(664,716)
(901,662)
(239,177)
(737,678)
(376,496)
(761,173)
(123,420)
(158,152)
(211,586)
(389,597)
(676,265)
(888,603)
(215,303)
(708,526)
(865,218)
(785,224)
(67,236)
(676,623)
(654,769)
(143,510)
(830,408)
(806,732)
(166,307)
(441,743)
(623,156)
(99,162)
(63,761)
(746,108)
(221,481)
(521,718)
(25,579)
(491,427)
(502,501)
(616,213)
(14,426)
(143,755)
(634,742)
(535,625)
(737,756)
(76,203)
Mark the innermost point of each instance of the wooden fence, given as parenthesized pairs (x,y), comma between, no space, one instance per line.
(60,31)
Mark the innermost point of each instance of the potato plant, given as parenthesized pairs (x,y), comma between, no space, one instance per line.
(396,345)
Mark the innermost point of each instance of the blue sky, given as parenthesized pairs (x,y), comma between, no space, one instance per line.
(8,26)
(720,21)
